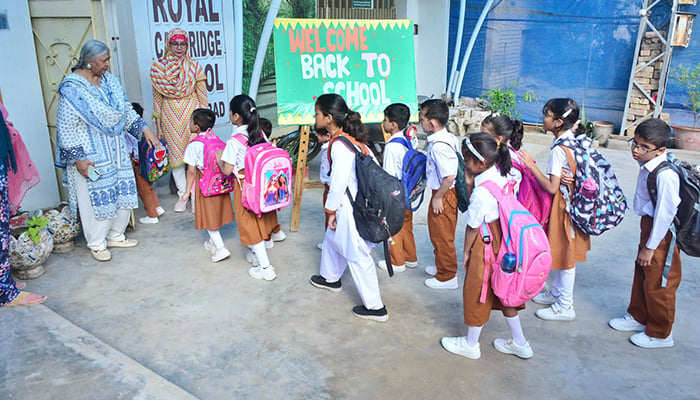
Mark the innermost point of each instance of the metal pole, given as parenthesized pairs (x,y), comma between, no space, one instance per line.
(470,46)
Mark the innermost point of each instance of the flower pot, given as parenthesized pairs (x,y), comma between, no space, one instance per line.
(686,137)
(27,257)
(603,130)
(64,226)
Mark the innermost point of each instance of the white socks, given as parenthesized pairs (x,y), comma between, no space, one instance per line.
(216,238)
(261,253)
(566,287)
(473,333)
(516,330)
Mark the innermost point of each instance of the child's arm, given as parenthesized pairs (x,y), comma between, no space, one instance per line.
(667,201)
(549,183)
(469,239)
(189,181)
(226,168)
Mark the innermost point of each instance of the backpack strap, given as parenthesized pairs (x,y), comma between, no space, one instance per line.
(651,180)
(403,140)
(489,259)
(242,139)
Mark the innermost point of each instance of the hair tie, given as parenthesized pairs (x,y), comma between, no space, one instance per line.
(566,114)
(252,109)
(471,148)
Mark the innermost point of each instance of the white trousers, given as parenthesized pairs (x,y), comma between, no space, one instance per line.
(180,178)
(98,231)
(363,271)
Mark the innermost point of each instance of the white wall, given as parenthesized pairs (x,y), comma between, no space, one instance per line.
(21,91)
(431,42)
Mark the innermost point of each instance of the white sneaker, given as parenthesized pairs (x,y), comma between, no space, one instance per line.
(626,324)
(381,264)
(269,244)
(433,283)
(510,347)
(278,236)
(148,220)
(431,270)
(320,246)
(458,345)
(556,312)
(209,246)
(267,274)
(221,253)
(642,340)
(251,258)
(412,264)
(101,255)
(160,211)
(546,297)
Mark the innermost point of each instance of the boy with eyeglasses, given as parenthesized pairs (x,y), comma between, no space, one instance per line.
(652,307)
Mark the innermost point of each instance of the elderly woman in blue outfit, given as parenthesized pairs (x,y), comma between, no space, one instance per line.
(93,116)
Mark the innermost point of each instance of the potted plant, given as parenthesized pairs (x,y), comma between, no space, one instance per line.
(30,248)
(689,79)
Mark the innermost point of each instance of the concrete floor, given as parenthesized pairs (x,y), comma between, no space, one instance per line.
(162,322)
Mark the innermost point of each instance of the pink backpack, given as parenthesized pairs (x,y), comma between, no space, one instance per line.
(532,196)
(267,186)
(524,259)
(213,181)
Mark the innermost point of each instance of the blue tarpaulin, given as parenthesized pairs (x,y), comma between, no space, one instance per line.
(578,49)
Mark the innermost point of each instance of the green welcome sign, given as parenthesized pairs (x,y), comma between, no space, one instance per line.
(370,63)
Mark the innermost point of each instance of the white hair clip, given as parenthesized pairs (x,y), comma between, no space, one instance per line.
(566,114)
(252,109)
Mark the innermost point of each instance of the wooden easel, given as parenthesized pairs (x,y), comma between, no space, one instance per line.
(299,182)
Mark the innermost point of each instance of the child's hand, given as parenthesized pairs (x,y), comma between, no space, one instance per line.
(644,257)
(567,178)
(527,158)
(465,264)
(185,196)
(436,205)
(330,218)
(218,155)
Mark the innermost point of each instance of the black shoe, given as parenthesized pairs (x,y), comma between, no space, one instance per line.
(322,283)
(380,315)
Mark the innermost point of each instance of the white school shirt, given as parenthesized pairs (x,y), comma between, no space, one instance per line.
(442,160)
(483,207)
(667,199)
(194,153)
(234,152)
(342,175)
(557,155)
(325,171)
(393,155)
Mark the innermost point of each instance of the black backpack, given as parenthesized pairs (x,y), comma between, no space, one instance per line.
(379,207)
(687,219)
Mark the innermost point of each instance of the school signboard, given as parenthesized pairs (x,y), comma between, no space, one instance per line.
(370,63)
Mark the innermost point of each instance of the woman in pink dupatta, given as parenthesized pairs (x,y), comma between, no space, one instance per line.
(179,87)
(26,176)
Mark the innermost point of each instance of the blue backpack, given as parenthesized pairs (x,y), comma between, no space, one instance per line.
(413,174)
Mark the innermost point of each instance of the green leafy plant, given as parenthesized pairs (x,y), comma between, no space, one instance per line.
(689,79)
(36,224)
(586,123)
(504,100)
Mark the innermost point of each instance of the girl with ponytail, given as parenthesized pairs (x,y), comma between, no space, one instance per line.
(342,245)
(255,233)
(561,117)
(509,133)
(485,160)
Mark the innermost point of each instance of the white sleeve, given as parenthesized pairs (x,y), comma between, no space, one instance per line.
(231,154)
(343,160)
(194,154)
(557,161)
(445,158)
(393,159)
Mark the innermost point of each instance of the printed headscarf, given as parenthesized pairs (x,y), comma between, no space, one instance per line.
(172,76)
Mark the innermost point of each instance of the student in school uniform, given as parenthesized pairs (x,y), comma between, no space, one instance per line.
(652,307)
(569,244)
(441,171)
(403,247)
(252,231)
(485,160)
(211,212)
(342,245)
(508,132)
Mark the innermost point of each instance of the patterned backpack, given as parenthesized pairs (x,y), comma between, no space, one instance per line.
(598,203)
(213,181)
(267,186)
(524,258)
(153,163)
